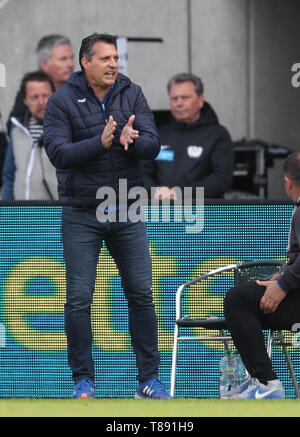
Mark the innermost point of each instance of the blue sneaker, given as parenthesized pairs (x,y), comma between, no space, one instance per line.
(257,390)
(84,389)
(152,389)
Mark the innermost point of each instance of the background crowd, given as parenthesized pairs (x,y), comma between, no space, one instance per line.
(196,150)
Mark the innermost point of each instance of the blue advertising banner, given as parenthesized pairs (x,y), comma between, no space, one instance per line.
(32,294)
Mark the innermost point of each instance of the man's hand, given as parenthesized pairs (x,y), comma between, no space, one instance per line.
(164,193)
(272,296)
(108,133)
(275,277)
(128,134)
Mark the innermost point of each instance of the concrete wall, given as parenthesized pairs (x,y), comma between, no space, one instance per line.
(242,49)
(218,32)
(220,56)
(24,22)
(275,103)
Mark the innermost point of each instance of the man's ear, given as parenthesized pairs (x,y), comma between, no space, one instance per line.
(288,182)
(201,101)
(44,65)
(84,63)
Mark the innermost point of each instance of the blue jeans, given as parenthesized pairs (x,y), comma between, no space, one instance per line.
(127,243)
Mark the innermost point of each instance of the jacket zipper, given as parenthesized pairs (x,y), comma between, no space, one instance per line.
(31,157)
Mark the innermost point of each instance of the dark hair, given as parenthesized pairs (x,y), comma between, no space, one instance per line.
(47,44)
(291,167)
(187,77)
(38,76)
(87,44)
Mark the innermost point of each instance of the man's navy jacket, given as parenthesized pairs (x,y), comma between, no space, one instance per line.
(73,124)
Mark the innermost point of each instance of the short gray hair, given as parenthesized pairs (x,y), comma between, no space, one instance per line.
(187,77)
(47,44)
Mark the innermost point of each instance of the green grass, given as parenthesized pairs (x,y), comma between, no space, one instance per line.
(148,408)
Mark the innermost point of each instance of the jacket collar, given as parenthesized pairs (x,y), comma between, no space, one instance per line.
(78,80)
(24,119)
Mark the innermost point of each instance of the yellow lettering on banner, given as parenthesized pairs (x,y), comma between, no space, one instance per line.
(162,267)
(104,335)
(202,303)
(18,304)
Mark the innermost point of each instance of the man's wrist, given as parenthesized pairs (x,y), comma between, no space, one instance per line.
(280,286)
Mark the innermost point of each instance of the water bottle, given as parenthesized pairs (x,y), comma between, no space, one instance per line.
(227,374)
(240,368)
(232,372)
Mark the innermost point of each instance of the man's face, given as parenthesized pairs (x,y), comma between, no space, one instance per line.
(185,103)
(102,70)
(37,95)
(61,64)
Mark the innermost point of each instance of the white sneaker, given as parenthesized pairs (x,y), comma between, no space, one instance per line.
(238,389)
(257,390)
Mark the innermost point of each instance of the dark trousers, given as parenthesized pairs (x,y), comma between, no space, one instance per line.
(128,244)
(246,321)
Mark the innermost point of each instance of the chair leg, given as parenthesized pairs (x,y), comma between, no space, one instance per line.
(270,342)
(174,361)
(226,342)
(289,363)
